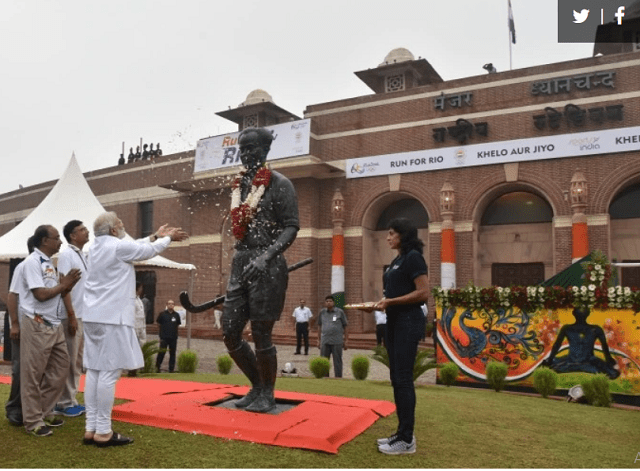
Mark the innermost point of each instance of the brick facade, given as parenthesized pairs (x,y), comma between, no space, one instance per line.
(377,125)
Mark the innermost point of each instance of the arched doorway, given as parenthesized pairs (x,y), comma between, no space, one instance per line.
(515,240)
(624,212)
(376,254)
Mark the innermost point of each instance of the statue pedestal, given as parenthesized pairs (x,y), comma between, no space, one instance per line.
(307,421)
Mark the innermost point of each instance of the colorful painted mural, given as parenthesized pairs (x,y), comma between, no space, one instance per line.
(598,340)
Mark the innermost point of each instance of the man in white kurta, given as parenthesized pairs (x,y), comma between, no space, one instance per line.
(111,344)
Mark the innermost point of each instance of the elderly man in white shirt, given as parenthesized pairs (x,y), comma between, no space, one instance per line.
(111,344)
(44,361)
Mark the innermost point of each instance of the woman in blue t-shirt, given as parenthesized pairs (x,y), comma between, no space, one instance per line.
(406,288)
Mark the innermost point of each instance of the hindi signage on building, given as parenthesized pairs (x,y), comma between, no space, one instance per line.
(520,150)
(291,140)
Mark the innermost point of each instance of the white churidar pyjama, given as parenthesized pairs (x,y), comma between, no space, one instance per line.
(99,394)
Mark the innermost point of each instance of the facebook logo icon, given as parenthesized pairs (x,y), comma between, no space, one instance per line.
(578,20)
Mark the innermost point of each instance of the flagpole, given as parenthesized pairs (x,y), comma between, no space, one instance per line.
(509,33)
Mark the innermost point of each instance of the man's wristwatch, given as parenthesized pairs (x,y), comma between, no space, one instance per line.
(153,237)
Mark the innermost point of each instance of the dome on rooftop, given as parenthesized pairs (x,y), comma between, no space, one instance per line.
(257,96)
(399,54)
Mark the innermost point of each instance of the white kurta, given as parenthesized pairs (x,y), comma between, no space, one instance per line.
(110,291)
(110,347)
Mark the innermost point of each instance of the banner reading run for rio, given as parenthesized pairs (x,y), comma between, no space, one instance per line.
(290,140)
(471,339)
(521,150)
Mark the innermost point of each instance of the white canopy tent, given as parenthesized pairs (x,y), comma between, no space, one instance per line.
(71,198)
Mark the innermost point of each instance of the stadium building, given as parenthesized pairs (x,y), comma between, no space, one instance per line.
(509,176)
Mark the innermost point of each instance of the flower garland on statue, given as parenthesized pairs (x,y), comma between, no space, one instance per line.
(242,213)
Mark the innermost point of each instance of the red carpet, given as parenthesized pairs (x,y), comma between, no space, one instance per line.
(317,423)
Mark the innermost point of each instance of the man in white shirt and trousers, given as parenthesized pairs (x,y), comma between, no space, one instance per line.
(303,315)
(111,344)
(70,313)
(44,361)
(381,327)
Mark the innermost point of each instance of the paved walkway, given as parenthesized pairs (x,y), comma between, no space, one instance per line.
(209,350)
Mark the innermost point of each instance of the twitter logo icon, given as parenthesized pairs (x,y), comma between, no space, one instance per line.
(580,17)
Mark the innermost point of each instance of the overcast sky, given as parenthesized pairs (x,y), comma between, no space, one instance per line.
(84,76)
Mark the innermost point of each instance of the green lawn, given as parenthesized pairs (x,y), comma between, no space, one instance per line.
(455,428)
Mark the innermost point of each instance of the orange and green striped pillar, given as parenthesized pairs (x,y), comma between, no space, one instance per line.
(579,230)
(579,237)
(337,250)
(448,255)
(337,269)
(447,238)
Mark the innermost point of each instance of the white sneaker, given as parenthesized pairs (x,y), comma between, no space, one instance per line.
(398,447)
(386,440)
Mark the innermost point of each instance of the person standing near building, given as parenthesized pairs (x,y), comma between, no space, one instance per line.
(140,322)
(77,235)
(5,336)
(110,343)
(381,327)
(406,288)
(148,308)
(17,290)
(332,333)
(140,316)
(303,315)
(44,361)
(217,315)
(168,320)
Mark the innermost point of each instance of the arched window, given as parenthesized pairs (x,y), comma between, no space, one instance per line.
(408,208)
(519,207)
(625,204)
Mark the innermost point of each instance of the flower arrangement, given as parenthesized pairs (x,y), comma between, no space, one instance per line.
(242,213)
(594,292)
(598,270)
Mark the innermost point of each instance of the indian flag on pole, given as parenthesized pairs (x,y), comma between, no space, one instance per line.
(512,25)
(337,270)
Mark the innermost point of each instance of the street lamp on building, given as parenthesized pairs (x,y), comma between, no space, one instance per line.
(447,198)
(337,208)
(579,190)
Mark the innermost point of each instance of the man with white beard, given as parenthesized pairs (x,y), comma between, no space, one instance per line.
(111,344)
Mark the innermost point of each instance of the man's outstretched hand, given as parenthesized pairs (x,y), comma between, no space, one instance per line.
(176,233)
